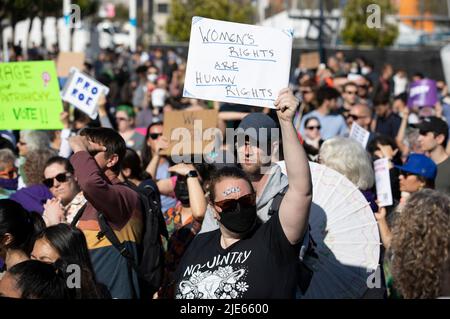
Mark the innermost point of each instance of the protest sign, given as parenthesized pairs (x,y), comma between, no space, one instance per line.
(383,182)
(422,93)
(188,131)
(359,134)
(68,60)
(83,92)
(310,60)
(237,63)
(29,96)
(445,59)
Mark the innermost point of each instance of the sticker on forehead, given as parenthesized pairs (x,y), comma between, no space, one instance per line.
(231,190)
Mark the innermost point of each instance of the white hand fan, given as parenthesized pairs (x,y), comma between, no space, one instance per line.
(346,233)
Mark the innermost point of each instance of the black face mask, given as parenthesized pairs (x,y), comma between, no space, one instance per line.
(240,219)
(182,193)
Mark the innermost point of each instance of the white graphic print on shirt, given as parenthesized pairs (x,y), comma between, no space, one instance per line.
(226,282)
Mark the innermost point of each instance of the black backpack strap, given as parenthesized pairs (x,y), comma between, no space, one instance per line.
(276,202)
(108,232)
(78,215)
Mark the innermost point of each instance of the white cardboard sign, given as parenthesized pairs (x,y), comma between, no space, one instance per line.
(359,134)
(383,182)
(237,63)
(83,92)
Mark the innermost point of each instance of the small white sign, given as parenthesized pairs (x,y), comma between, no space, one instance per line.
(83,92)
(237,63)
(383,182)
(359,134)
(159,97)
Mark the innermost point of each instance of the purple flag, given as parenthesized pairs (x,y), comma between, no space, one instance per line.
(422,93)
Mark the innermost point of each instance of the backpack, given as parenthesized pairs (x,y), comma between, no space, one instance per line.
(150,265)
(304,273)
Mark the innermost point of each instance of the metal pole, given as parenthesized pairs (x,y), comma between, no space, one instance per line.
(133,23)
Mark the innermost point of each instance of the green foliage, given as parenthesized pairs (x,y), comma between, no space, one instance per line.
(357,32)
(182,11)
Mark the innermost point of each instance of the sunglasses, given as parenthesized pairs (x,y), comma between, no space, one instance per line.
(9,173)
(318,127)
(154,136)
(406,174)
(230,204)
(355,117)
(61,177)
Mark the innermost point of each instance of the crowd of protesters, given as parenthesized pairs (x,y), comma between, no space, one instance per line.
(81,196)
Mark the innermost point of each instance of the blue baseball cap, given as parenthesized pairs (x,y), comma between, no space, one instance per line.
(421,165)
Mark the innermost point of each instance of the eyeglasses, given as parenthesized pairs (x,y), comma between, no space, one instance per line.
(230,204)
(154,136)
(10,173)
(121,119)
(318,127)
(61,177)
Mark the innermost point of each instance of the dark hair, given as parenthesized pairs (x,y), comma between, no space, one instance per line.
(227,172)
(402,96)
(309,119)
(326,93)
(5,143)
(384,140)
(146,152)
(346,85)
(22,225)
(429,183)
(381,99)
(38,280)
(109,138)
(133,162)
(71,245)
(62,161)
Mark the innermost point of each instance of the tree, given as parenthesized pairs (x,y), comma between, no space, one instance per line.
(179,23)
(359,28)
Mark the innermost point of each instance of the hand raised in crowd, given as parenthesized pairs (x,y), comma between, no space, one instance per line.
(64,118)
(81,143)
(286,105)
(101,105)
(53,212)
(381,214)
(385,151)
(182,169)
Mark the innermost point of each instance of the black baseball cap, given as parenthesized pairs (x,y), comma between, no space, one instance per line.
(433,124)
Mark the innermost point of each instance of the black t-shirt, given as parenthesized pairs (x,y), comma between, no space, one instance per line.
(262,266)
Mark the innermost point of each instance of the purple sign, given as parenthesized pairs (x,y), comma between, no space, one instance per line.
(422,93)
